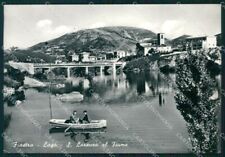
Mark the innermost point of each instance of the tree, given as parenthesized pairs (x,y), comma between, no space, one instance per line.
(195,88)
(13,49)
(151,51)
(80,57)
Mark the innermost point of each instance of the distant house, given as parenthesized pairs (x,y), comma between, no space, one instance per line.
(58,61)
(73,58)
(203,42)
(5,70)
(120,54)
(92,58)
(85,57)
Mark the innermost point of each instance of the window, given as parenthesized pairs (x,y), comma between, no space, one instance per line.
(161,36)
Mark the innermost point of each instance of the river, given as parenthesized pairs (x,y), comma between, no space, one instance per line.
(136,121)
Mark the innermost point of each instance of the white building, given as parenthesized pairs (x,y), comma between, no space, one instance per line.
(120,54)
(58,61)
(157,45)
(74,58)
(204,42)
(92,58)
(85,57)
(156,48)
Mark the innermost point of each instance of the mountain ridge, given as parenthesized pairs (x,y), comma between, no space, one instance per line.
(99,39)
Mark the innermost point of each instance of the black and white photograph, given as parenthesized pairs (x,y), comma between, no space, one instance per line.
(112,79)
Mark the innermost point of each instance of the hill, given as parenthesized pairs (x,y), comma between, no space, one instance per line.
(97,40)
(179,39)
(28,56)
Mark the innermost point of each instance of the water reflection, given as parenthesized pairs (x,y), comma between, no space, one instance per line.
(75,134)
(124,89)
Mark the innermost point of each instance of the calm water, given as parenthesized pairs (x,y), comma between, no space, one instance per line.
(136,121)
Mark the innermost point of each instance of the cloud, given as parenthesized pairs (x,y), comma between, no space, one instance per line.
(97,25)
(44,23)
(173,28)
(45,27)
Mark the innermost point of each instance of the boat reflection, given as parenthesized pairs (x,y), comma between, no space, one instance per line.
(91,131)
(74,133)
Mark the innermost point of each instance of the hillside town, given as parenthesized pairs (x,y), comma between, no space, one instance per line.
(143,48)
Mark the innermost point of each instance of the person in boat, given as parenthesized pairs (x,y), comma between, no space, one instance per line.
(85,118)
(74,118)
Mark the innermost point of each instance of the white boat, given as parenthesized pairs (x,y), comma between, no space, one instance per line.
(94,124)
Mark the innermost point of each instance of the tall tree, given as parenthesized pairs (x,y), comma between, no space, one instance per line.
(194,100)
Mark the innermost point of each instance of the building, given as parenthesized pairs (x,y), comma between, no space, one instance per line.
(5,70)
(204,42)
(154,45)
(92,58)
(120,54)
(101,57)
(148,48)
(74,58)
(85,57)
(58,61)
(160,39)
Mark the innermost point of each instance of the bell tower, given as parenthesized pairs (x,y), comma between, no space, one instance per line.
(160,39)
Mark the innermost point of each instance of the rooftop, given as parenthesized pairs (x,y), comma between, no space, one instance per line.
(200,37)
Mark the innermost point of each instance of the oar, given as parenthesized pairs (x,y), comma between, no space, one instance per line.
(68,128)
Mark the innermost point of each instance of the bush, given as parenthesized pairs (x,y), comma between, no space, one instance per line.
(213,68)
(19,95)
(167,69)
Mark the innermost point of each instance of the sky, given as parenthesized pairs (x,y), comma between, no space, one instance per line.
(27,25)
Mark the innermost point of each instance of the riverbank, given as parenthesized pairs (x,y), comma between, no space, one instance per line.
(32,82)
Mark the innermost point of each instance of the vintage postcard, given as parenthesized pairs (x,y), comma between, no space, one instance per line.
(112,79)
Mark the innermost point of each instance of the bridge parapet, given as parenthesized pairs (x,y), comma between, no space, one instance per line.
(36,65)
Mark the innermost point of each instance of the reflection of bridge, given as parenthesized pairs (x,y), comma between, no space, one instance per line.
(68,66)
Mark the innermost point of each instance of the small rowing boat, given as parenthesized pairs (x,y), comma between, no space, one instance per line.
(91,131)
(94,124)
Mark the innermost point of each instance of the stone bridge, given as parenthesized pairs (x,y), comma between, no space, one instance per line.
(68,66)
